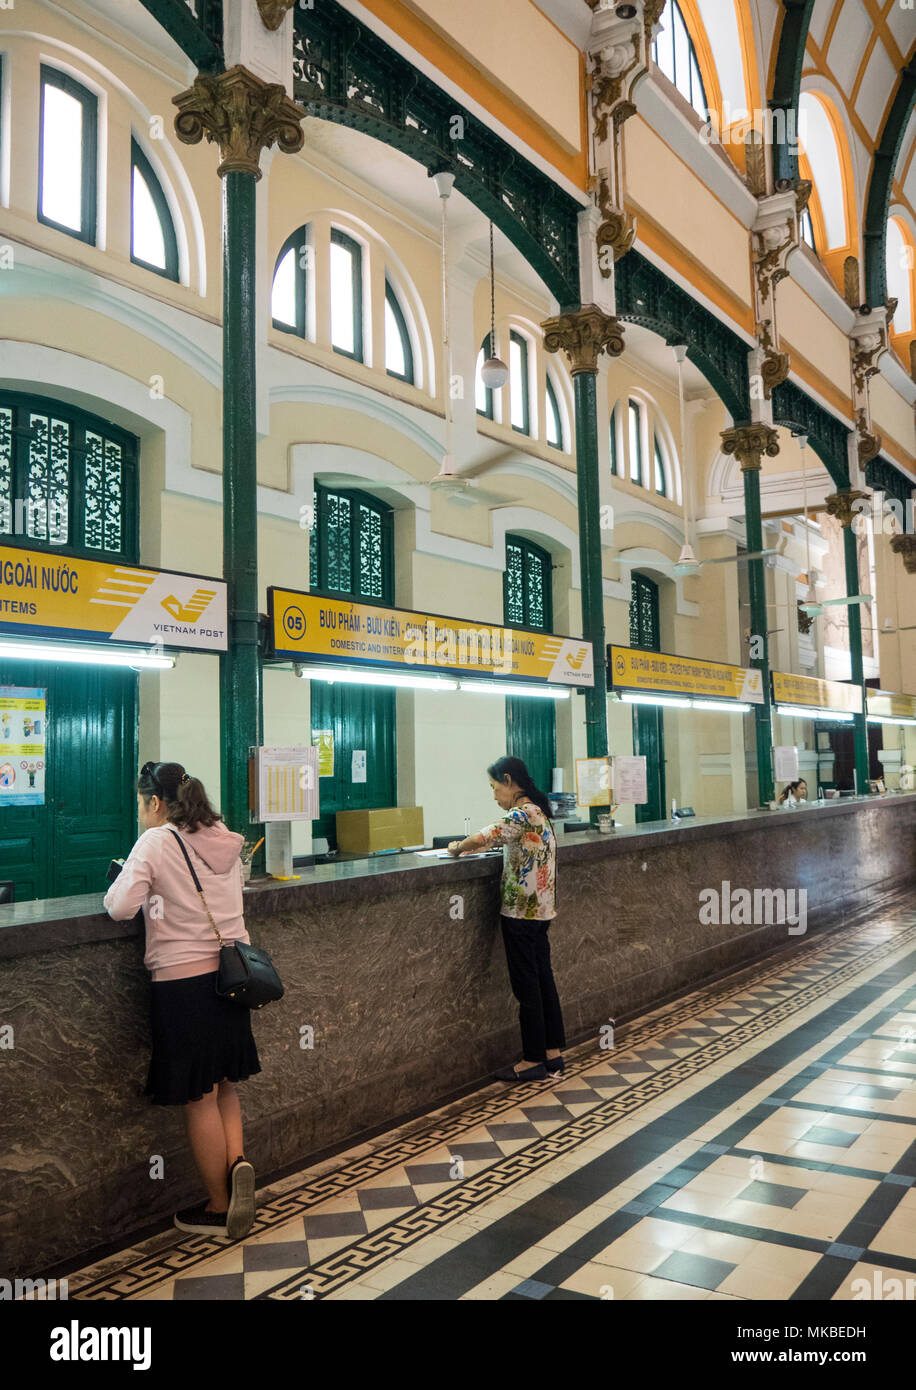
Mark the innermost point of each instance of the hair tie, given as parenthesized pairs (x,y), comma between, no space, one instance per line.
(184,778)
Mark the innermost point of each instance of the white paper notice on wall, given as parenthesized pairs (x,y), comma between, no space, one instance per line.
(358,765)
(629,780)
(785,762)
(286,783)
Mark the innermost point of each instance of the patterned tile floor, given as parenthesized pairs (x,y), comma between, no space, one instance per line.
(753,1140)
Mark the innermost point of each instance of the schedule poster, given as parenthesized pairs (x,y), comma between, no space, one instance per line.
(23,736)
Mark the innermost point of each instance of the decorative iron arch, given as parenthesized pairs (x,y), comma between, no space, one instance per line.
(646,296)
(881,475)
(783,101)
(345,73)
(828,436)
(880,183)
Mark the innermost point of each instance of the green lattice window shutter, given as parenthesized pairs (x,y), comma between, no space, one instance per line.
(528,585)
(644,623)
(67,480)
(351,549)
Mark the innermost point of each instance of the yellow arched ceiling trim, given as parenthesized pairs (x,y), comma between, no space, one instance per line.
(748,42)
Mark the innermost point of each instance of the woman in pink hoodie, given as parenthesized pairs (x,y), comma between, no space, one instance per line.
(202,1044)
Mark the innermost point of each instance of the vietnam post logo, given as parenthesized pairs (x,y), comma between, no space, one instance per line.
(191,611)
(576,659)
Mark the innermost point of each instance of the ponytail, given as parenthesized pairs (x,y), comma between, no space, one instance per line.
(187,805)
(517,772)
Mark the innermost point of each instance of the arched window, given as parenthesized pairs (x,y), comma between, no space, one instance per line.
(661,485)
(67,155)
(807,230)
(527,585)
(346,295)
(675,55)
(398,351)
(634,417)
(615,470)
(519,402)
(900,274)
(483,394)
(289,294)
(67,479)
(554,420)
(351,549)
(153,243)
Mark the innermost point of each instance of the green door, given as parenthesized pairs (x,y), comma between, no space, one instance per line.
(531,724)
(648,720)
(352,556)
(359,718)
(90,813)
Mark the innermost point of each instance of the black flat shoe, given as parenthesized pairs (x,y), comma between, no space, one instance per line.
(555,1064)
(240,1216)
(538,1073)
(201,1222)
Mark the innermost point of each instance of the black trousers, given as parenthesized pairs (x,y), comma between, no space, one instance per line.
(531,977)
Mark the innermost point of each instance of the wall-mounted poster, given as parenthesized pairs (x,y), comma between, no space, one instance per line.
(23,736)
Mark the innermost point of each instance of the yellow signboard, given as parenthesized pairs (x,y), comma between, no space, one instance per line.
(892,706)
(48,595)
(657,673)
(815,693)
(308,628)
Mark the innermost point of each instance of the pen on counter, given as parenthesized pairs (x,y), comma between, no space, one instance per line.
(256,848)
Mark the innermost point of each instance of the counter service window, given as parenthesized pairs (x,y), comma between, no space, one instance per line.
(398,351)
(153,243)
(67,155)
(648,720)
(67,480)
(346,295)
(289,296)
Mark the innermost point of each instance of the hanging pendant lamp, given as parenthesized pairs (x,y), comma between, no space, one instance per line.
(494,373)
(687,562)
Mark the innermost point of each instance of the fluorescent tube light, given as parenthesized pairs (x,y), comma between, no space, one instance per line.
(677,702)
(87,656)
(729,706)
(347,675)
(544,692)
(803,712)
(889,719)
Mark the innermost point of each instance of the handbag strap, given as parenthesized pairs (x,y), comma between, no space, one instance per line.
(200,891)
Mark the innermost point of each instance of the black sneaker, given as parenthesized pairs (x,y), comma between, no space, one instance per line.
(201,1222)
(240,1216)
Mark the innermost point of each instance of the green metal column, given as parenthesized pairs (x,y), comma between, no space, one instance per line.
(240,666)
(586,406)
(763,714)
(860,725)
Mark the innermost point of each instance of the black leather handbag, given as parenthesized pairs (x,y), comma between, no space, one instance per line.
(247,975)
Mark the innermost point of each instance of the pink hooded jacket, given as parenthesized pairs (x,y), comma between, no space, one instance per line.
(179,939)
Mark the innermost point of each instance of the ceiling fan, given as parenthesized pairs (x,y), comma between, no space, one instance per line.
(462,488)
(813,606)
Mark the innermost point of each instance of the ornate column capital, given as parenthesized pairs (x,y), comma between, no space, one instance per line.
(583,335)
(242,114)
(842,505)
(749,442)
(273,12)
(905,546)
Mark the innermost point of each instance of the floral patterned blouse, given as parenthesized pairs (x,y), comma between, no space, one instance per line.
(529,880)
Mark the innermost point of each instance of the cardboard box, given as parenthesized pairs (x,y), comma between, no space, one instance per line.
(389,827)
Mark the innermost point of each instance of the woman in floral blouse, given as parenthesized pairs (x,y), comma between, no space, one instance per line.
(528,907)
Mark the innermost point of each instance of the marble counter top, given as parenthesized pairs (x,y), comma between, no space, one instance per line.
(48,924)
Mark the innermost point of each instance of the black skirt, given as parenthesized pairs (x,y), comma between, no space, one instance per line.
(198,1040)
